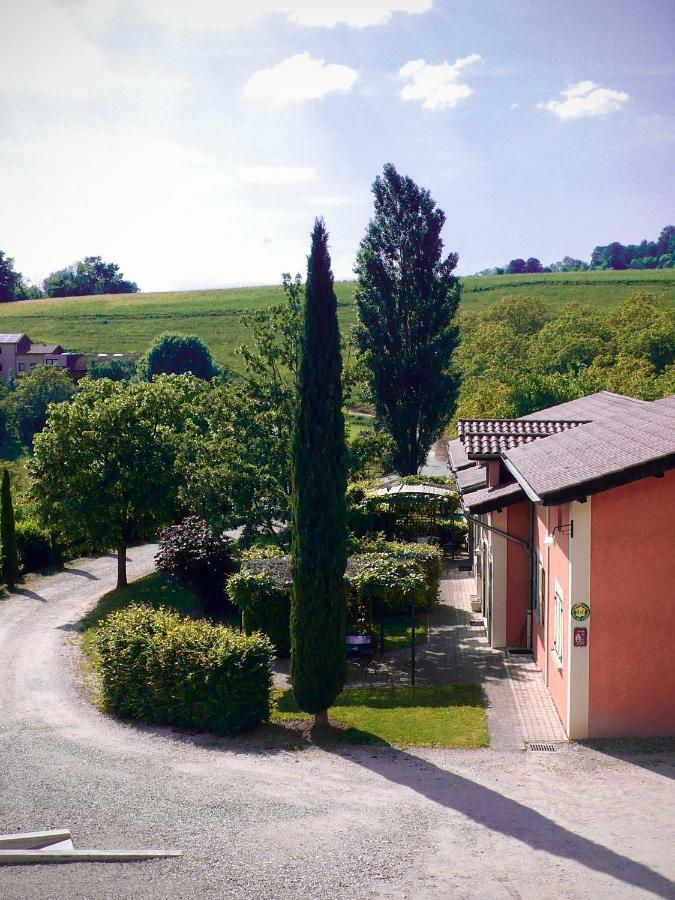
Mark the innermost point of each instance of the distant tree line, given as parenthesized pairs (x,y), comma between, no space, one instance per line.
(659,254)
(89,276)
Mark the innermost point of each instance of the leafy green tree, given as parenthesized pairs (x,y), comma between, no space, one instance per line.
(178,354)
(407,298)
(533,266)
(644,327)
(114,369)
(10,555)
(32,395)
(104,470)
(90,275)
(571,341)
(10,280)
(524,315)
(319,514)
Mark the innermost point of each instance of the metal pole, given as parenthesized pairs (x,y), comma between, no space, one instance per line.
(412,645)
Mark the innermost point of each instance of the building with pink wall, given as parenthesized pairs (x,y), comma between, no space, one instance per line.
(571,511)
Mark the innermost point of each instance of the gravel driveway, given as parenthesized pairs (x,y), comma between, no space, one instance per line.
(269,823)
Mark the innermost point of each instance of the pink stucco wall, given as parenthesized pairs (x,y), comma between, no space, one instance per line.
(632,674)
(555,560)
(517,576)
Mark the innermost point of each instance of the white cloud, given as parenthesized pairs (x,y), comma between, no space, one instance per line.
(298,78)
(438,87)
(230,13)
(45,50)
(585,99)
(278,175)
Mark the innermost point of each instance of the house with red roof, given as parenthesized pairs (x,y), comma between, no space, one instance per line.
(572,514)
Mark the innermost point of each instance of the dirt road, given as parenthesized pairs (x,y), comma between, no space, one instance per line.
(269,823)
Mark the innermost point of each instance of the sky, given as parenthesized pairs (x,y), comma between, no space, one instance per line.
(193,142)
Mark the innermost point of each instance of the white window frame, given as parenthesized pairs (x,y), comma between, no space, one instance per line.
(558,625)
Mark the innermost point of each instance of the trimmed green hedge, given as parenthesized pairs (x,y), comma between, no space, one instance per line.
(265,606)
(35,546)
(160,668)
(383,579)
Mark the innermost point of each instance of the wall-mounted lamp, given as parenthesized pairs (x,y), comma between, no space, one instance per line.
(549,540)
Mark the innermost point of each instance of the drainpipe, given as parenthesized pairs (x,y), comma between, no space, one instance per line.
(527,547)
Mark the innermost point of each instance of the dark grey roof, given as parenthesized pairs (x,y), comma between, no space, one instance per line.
(635,441)
(489,499)
(589,409)
(457,456)
(489,438)
(471,479)
(45,348)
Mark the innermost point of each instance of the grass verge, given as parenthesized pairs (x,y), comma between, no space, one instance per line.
(423,716)
(398,633)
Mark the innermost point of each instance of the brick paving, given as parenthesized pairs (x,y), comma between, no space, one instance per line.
(520,710)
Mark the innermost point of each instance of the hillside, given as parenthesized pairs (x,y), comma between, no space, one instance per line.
(128,323)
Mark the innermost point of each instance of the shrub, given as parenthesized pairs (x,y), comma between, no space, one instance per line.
(166,670)
(426,558)
(191,555)
(386,585)
(265,603)
(35,546)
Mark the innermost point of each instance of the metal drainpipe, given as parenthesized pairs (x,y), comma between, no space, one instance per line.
(527,547)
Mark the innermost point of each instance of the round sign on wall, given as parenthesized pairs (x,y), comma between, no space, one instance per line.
(580,612)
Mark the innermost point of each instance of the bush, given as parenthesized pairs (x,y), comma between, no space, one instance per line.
(382,579)
(166,670)
(191,555)
(265,605)
(35,546)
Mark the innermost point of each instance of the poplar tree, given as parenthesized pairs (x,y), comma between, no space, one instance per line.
(10,555)
(407,298)
(318,508)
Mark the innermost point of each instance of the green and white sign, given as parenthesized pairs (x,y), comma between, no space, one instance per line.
(580,612)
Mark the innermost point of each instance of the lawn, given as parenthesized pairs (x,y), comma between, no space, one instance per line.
(356,423)
(398,632)
(422,716)
(129,323)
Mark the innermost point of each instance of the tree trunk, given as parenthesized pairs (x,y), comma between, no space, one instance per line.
(321,719)
(121,564)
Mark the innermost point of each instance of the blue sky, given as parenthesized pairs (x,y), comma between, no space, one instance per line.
(194,141)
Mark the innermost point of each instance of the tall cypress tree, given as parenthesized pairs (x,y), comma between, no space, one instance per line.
(10,556)
(318,508)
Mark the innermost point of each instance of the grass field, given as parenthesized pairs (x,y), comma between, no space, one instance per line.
(128,323)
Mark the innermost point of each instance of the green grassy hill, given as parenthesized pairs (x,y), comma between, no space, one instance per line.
(128,323)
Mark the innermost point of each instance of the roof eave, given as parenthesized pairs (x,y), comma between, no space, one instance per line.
(529,491)
(578,491)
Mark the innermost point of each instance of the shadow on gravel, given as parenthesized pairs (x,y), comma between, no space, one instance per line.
(498,813)
(82,574)
(24,592)
(654,754)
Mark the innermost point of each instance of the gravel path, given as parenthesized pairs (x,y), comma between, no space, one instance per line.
(269,823)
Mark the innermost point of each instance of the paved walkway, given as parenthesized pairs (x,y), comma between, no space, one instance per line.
(520,710)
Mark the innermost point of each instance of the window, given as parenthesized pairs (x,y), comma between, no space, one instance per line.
(50,362)
(558,626)
(539,590)
(22,367)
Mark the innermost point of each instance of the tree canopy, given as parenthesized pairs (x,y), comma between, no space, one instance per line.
(407,298)
(104,470)
(90,275)
(178,354)
(32,395)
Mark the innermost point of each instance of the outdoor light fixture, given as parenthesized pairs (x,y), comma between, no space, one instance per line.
(549,540)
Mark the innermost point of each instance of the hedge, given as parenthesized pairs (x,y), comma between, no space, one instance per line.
(35,546)
(163,669)
(383,579)
(265,604)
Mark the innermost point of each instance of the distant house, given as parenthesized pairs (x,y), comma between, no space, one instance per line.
(572,511)
(18,355)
